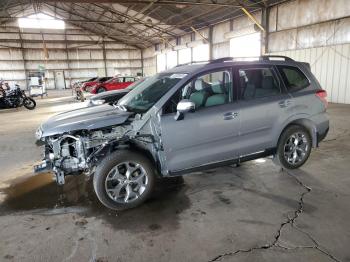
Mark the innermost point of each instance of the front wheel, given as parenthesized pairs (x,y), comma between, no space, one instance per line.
(124,180)
(294,147)
(29,103)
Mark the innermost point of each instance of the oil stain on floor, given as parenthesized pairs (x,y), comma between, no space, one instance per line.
(39,194)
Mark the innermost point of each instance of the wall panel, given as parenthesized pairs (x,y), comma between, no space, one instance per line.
(330,65)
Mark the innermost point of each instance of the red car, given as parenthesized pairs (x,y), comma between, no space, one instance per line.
(86,86)
(115,83)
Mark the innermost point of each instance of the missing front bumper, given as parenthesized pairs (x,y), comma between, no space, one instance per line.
(46,166)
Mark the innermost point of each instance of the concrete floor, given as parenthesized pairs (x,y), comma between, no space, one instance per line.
(255,212)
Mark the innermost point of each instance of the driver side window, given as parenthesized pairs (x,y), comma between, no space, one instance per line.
(211,89)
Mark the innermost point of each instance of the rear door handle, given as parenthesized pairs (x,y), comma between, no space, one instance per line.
(230,115)
(285,103)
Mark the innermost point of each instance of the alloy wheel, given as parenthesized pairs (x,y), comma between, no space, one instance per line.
(295,148)
(126,182)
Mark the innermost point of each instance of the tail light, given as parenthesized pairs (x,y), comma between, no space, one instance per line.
(322,95)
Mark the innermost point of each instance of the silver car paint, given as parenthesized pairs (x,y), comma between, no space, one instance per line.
(89,118)
(199,139)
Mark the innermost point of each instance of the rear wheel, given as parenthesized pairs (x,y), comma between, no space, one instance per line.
(124,180)
(294,147)
(101,90)
(29,103)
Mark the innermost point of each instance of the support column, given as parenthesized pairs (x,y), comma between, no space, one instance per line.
(142,65)
(23,59)
(265,33)
(68,62)
(210,40)
(104,56)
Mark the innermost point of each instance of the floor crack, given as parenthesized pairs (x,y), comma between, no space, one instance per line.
(289,221)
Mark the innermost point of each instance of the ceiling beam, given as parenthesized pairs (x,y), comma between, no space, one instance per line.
(59,41)
(139,35)
(145,2)
(112,10)
(92,30)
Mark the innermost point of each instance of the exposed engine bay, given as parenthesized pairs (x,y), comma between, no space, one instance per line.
(77,153)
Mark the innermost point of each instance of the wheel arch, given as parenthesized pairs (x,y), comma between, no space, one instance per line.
(110,149)
(307,124)
(138,149)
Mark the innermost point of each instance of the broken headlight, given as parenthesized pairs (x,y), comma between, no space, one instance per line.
(39,133)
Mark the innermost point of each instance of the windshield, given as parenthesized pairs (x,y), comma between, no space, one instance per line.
(104,79)
(135,84)
(147,93)
(111,80)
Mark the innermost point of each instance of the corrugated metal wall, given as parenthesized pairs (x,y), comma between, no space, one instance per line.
(317,32)
(314,31)
(331,66)
(78,61)
(149,61)
(221,44)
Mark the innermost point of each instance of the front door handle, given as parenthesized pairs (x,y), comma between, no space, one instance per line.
(230,115)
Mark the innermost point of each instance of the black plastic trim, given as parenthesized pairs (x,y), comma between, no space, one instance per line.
(320,137)
(264,153)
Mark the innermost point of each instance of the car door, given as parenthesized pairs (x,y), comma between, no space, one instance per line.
(109,85)
(264,105)
(209,134)
(128,81)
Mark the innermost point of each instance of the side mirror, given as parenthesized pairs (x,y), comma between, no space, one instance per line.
(183,107)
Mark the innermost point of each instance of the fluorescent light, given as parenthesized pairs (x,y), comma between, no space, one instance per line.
(40,21)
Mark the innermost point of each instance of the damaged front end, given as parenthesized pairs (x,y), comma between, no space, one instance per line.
(77,153)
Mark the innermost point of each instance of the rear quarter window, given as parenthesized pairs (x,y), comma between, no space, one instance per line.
(293,78)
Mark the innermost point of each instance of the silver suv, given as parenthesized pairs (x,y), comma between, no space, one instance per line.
(188,118)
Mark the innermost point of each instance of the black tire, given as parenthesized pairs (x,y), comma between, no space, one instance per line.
(101,90)
(282,156)
(29,103)
(110,162)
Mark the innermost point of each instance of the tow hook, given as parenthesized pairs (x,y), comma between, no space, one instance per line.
(59,176)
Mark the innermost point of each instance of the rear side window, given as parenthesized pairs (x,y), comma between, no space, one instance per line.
(257,83)
(293,78)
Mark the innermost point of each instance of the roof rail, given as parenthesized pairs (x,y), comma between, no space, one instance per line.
(228,58)
(220,60)
(261,58)
(190,63)
(267,57)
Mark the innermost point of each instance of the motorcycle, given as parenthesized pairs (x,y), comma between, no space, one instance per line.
(15,98)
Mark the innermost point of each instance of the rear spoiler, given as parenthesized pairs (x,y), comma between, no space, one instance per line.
(307,65)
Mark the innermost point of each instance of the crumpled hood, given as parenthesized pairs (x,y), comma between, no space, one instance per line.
(85,118)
